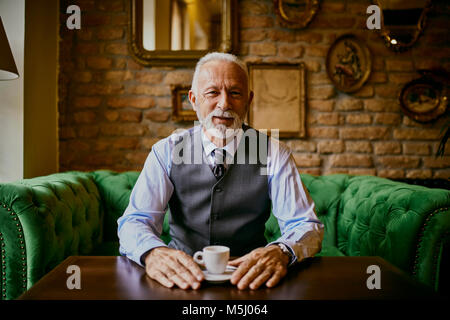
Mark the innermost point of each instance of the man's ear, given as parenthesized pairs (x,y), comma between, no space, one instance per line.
(192,99)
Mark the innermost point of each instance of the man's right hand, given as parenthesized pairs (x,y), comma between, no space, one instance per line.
(170,266)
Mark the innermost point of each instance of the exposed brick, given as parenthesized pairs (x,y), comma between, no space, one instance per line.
(416,148)
(382,148)
(263,49)
(256,22)
(321,105)
(318,79)
(179,77)
(313,65)
(131,102)
(149,90)
(290,51)
(147,143)
(253,34)
(118,76)
(84,117)
(358,119)
(391,174)
(322,92)
(137,157)
(323,132)
(257,7)
(127,129)
(441,174)
(419,174)
(157,115)
(99,62)
(382,105)
(358,146)
(351,160)
(370,133)
(399,65)
(111,115)
(149,77)
(87,102)
(317,51)
(110,33)
(366,91)
(331,146)
(440,162)
(363,172)
(307,160)
(389,91)
(398,162)
(311,171)
(117,48)
(302,146)
(349,105)
(327,119)
(388,118)
(309,37)
(281,35)
(83,77)
(378,77)
(416,134)
(130,115)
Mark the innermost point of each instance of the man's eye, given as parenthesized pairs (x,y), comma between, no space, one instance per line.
(235,93)
(212,92)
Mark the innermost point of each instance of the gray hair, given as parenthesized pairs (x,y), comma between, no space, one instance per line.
(214,56)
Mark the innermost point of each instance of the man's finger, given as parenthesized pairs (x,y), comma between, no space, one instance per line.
(241,271)
(238,261)
(254,272)
(161,278)
(192,267)
(256,283)
(276,277)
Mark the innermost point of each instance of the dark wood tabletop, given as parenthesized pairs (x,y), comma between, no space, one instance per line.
(319,278)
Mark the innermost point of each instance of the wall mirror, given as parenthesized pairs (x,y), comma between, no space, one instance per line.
(295,14)
(402,22)
(179,32)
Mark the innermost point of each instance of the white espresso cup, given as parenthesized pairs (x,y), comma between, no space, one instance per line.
(214,258)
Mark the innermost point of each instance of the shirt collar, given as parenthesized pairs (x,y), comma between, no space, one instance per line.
(230,148)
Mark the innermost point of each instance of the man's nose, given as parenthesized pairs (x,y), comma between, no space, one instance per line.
(224,101)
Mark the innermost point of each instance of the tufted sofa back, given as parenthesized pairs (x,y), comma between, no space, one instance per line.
(44,220)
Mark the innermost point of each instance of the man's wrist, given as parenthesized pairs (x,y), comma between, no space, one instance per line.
(285,251)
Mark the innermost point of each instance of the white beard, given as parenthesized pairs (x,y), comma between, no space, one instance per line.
(221,131)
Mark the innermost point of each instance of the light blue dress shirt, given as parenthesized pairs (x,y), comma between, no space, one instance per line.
(140,227)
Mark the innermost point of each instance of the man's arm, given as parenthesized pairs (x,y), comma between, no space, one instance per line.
(301,230)
(140,227)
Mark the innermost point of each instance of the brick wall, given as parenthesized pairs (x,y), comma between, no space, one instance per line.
(112,110)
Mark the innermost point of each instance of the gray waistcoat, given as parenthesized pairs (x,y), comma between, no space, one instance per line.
(231,211)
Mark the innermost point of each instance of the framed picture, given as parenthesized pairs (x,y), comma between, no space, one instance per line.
(423,99)
(295,14)
(181,106)
(348,63)
(279,98)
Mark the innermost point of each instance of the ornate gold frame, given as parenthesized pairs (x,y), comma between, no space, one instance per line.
(389,40)
(311,11)
(301,133)
(178,114)
(364,49)
(149,58)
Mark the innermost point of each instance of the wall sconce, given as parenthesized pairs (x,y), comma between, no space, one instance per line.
(8,69)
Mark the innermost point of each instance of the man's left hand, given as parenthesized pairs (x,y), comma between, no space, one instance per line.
(263,265)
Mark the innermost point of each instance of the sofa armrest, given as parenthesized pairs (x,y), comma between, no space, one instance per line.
(42,221)
(405,224)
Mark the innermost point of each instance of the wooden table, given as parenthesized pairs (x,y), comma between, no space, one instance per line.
(320,278)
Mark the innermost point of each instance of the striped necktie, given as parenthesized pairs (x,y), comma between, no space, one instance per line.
(219,160)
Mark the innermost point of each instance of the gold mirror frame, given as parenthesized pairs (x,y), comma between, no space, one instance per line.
(392,43)
(149,58)
(312,7)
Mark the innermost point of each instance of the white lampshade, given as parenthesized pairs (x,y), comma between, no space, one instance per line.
(8,69)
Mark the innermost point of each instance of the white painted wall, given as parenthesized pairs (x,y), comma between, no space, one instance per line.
(11,94)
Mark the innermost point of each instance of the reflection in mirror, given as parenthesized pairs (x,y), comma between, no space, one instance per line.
(181,24)
(179,32)
(403,21)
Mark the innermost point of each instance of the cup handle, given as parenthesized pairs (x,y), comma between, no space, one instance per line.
(198,257)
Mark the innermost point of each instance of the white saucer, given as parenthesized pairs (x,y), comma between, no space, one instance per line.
(219,278)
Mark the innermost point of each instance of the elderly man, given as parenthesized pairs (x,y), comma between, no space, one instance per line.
(223,198)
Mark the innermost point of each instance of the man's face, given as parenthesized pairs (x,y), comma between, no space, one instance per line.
(222,96)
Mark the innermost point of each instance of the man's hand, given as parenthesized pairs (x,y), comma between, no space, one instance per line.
(262,265)
(169,266)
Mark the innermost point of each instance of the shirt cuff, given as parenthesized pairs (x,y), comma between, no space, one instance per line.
(293,256)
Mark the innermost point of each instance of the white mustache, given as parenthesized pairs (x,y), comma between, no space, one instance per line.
(221,113)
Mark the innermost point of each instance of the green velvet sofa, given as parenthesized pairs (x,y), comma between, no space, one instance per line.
(46,219)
